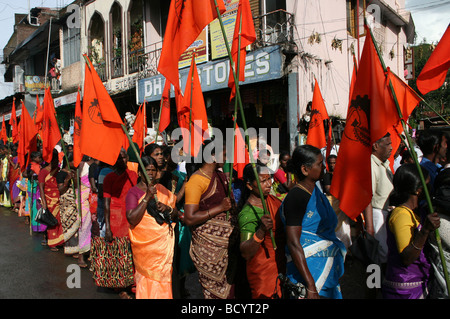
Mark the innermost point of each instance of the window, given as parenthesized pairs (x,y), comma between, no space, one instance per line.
(71,45)
(353,17)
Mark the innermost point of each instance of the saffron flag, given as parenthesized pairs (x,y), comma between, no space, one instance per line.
(3,134)
(77,155)
(371,114)
(241,156)
(244,35)
(316,132)
(186,19)
(164,118)
(26,138)
(39,112)
(13,123)
(100,138)
(51,133)
(193,115)
(435,70)
(140,127)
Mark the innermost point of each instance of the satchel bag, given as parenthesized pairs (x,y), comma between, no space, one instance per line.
(44,216)
(365,249)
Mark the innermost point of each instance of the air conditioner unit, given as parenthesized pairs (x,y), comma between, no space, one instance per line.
(33,21)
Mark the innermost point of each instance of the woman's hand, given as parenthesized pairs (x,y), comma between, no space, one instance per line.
(162,207)
(266,223)
(225,205)
(311,293)
(108,235)
(432,222)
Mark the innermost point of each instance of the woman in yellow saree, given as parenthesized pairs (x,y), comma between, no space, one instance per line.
(151,234)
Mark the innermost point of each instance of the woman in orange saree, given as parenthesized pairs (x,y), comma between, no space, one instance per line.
(48,186)
(264,263)
(152,234)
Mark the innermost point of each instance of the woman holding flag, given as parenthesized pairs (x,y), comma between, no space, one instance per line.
(214,235)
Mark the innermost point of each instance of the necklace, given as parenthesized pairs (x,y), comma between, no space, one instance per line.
(201,171)
(304,188)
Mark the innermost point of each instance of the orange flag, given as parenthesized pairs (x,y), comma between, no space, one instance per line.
(140,127)
(186,20)
(13,123)
(371,114)
(244,30)
(199,120)
(100,138)
(39,112)
(51,133)
(164,118)
(77,155)
(241,156)
(435,70)
(316,132)
(3,134)
(26,138)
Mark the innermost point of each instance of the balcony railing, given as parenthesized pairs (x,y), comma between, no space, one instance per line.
(101,71)
(117,66)
(275,27)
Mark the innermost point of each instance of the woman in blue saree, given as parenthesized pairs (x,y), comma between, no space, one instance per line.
(315,256)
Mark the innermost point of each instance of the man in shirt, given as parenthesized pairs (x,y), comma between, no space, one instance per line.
(375,214)
(434,147)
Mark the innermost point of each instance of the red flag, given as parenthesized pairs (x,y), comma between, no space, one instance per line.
(13,123)
(100,138)
(77,155)
(371,114)
(187,18)
(435,70)
(51,133)
(3,134)
(244,30)
(316,132)
(241,156)
(26,138)
(39,112)
(199,120)
(140,127)
(164,118)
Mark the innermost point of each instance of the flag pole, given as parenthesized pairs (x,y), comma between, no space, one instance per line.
(244,122)
(190,106)
(416,161)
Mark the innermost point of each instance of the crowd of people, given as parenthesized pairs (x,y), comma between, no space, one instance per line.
(143,224)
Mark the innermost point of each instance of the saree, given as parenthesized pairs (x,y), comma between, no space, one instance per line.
(404,282)
(263,268)
(214,244)
(51,192)
(324,252)
(84,232)
(152,246)
(33,204)
(5,197)
(13,177)
(70,222)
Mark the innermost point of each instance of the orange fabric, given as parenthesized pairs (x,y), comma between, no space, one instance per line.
(13,123)
(153,246)
(435,70)
(51,134)
(164,119)
(199,119)
(132,166)
(371,114)
(185,21)
(241,156)
(140,127)
(77,155)
(244,31)
(316,132)
(27,137)
(39,113)
(3,134)
(98,110)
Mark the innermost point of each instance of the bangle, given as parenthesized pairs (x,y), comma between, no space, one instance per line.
(144,200)
(255,238)
(209,216)
(312,291)
(412,243)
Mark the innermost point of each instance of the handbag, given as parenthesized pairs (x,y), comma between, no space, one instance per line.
(365,248)
(44,216)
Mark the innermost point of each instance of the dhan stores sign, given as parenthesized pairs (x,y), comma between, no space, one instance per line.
(261,65)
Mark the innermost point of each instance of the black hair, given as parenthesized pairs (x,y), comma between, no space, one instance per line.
(303,155)
(150,148)
(69,158)
(55,159)
(405,156)
(428,141)
(148,160)
(442,191)
(331,156)
(35,154)
(284,153)
(248,176)
(406,182)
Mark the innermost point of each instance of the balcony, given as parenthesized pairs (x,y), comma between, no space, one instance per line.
(275,27)
(101,71)
(117,66)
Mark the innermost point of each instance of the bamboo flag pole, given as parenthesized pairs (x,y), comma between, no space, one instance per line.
(244,123)
(416,161)
(190,107)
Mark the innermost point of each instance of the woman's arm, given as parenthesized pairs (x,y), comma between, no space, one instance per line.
(134,216)
(293,234)
(107,213)
(43,200)
(250,246)
(194,216)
